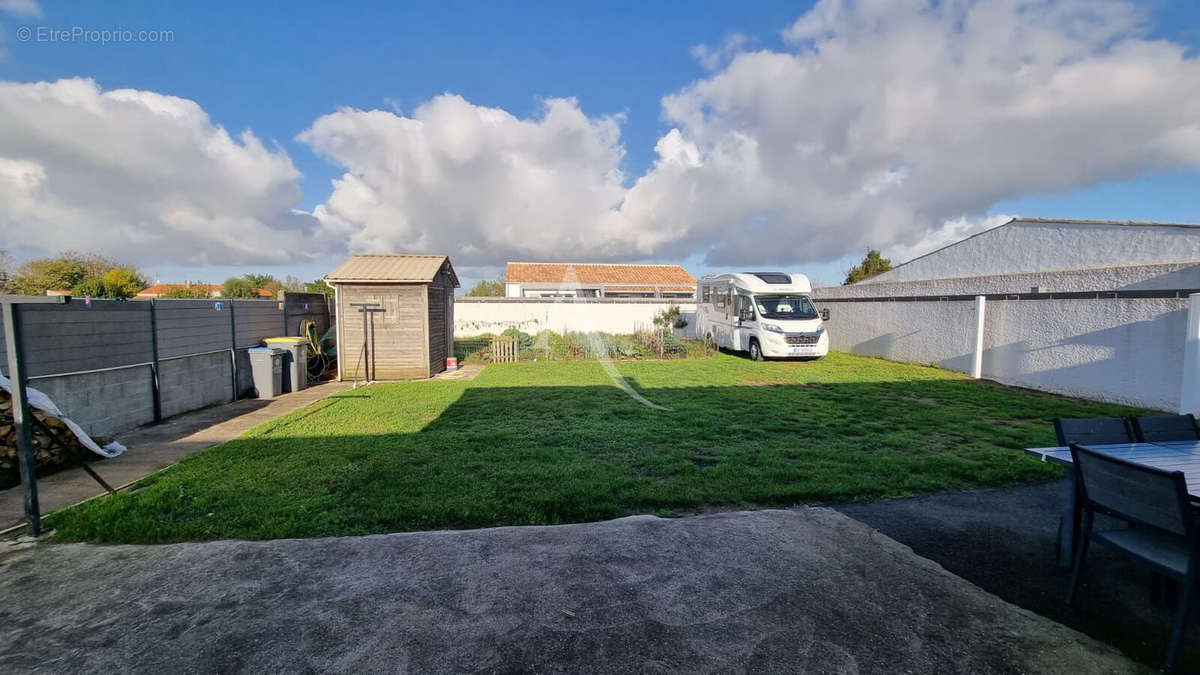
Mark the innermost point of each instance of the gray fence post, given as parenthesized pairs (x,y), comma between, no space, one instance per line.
(233,349)
(155,390)
(1189,391)
(977,360)
(21,415)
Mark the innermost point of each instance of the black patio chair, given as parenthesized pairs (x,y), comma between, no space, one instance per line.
(1161,535)
(1085,431)
(1165,428)
(1092,431)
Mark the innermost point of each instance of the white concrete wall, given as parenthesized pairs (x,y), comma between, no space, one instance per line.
(1127,350)
(1027,246)
(493,315)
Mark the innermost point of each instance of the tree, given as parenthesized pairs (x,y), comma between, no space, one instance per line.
(293,284)
(485,288)
(89,287)
(123,282)
(273,286)
(195,291)
(35,277)
(238,287)
(259,280)
(318,286)
(870,266)
(6,265)
(64,272)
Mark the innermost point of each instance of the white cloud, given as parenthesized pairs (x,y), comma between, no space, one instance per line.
(944,234)
(713,58)
(478,182)
(21,7)
(888,119)
(143,176)
(889,124)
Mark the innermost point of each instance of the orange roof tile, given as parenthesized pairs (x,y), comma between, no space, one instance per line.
(604,274)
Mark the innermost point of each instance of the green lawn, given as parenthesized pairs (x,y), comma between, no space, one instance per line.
(555,442)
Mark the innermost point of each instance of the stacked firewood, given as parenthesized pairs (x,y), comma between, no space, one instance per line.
(49,453)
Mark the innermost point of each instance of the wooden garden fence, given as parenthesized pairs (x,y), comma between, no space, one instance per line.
(504,349)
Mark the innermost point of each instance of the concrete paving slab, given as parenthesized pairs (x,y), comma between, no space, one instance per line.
(807,590)
(467,371)
(155,447)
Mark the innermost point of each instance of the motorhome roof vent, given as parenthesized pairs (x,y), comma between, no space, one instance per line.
(773,277)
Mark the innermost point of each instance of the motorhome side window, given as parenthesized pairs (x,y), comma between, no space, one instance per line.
(706,293)
(745,308)
(719,297)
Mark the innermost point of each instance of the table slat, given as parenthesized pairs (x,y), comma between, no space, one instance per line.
(1167,455)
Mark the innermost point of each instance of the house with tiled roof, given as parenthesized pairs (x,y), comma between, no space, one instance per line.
(212,290)
(597,280)
(158,290)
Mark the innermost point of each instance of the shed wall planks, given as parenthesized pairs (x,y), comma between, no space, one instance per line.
(399,331)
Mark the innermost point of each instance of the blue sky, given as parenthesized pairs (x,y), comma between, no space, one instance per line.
(274,68)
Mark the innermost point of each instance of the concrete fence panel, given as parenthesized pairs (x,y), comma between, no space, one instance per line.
(85,335)
(192,326)
(932,332)
(1123,349)
(300,307)
(255,320)
(97,359)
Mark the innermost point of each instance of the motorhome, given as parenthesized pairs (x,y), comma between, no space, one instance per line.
(766,314)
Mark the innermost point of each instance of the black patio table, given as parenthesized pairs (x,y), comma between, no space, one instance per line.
(1169,455)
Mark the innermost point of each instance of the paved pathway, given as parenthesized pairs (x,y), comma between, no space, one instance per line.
(154,447)
(807,590)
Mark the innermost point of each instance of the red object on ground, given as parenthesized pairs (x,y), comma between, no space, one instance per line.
(452,363)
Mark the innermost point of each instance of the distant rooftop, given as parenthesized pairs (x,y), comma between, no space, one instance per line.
(630,276)
(1050,245)
(394,267)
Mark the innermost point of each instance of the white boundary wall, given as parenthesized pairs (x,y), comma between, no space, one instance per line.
(1122,350)
(475,316)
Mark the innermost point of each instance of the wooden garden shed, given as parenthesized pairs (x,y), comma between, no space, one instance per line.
(410,321)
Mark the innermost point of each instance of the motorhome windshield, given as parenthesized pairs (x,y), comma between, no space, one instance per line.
(785,307)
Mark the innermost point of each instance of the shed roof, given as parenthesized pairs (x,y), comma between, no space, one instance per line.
(396,267)
(598,273)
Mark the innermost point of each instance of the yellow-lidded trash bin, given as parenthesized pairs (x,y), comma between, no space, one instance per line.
(296,362)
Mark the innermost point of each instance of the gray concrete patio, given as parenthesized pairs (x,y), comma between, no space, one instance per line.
(764,591)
